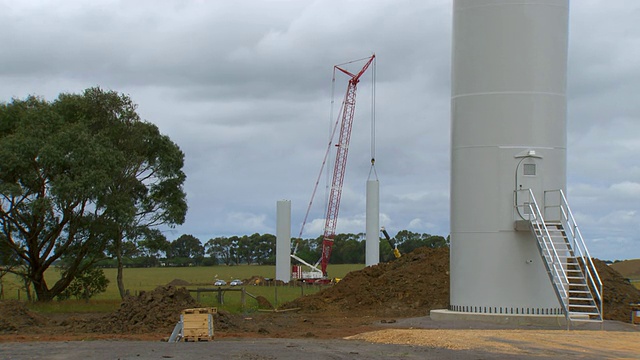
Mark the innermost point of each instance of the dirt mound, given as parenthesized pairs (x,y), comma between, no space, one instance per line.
(155,311)
(260,280)
(618,293)
(14,315)
(178,282)
(263,303)
(255,280)
(409,286)
(627,268)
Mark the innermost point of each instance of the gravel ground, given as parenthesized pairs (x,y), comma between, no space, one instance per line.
(414,338)
(253,349)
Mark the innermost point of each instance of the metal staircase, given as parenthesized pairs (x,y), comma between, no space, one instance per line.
(566,258)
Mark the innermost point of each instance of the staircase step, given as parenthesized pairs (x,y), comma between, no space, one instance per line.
(586,320)
(585,316)
(585,303)
(559,237)
(584,313)
(576,291)
(561,247)
(582,306)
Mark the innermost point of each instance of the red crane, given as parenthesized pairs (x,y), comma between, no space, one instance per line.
(342,146)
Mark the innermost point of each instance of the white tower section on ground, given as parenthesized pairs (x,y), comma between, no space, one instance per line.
(372,242)
(283,241)
(508,110)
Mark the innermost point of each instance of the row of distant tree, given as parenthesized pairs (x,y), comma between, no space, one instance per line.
(259,249)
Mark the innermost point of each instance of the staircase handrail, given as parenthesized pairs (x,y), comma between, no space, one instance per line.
(548,247)
(591,272)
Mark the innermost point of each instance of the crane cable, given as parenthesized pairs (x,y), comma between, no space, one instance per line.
(373,123)
(332,132)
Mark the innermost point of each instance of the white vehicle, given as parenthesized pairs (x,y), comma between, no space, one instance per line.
(236,282)
(220,283)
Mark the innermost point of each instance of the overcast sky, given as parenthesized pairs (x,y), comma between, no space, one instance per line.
(245,89)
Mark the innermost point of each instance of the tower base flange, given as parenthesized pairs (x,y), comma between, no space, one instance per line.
(504,319)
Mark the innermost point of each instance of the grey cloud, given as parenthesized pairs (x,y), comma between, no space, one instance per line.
(244,88)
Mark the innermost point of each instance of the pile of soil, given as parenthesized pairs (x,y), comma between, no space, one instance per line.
(618,293)
(627,268)
(260,280)
(14,315)
(155,311)
(255,280)
(409,286)
(178,282)
(263,303)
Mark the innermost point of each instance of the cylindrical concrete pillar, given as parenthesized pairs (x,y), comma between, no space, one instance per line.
(283,241)
(372,242)
(508,114)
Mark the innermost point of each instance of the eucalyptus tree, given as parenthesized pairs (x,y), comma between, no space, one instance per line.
(188,248)
(221,248)
(265,249)
(78,176)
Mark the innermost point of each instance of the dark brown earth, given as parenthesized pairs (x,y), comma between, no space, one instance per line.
(179,282)
(148,312)
(627,268)
(407,287)
(618,293)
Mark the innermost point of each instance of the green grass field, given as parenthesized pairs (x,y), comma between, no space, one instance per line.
(147,279)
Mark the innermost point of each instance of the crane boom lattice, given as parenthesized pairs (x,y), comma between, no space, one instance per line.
(342,151)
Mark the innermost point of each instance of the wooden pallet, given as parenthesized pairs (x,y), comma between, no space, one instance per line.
(197,324)
(197,338)
(208,310)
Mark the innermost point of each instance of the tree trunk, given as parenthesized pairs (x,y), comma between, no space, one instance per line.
(27,288)
(119,275)
(43,293)
(119,278)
